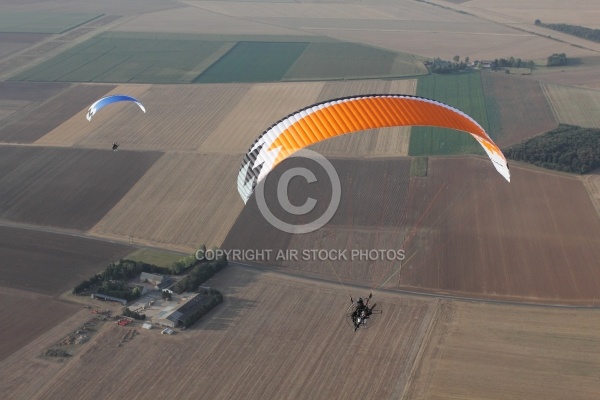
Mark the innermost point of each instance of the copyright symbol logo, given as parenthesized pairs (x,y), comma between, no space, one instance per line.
(310,204)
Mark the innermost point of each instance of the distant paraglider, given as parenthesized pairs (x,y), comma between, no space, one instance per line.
(103,102)
(336,117)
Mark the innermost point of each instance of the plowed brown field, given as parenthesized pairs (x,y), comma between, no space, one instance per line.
(26,316)
(18,97)
(52,263)
(69,188)
(53,113)
(464,230)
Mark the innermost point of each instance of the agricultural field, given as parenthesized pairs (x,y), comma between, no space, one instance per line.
(253,62)
(292,329)
(50,262)
(576,12)
(177,118)
(486,351)
(295,331)
(155,257)
(464,230)
(366,61)
(16,98)
(531,239)
(51,114)
(65,187)
(13,42)
(192,18)
(592,184)
(183,201)
(123,57)
(279,100)
(41,22)
(574,106)
(517,108)
(464,92)
(27,315)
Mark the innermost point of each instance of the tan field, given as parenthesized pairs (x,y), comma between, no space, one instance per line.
(302,348)
(576,12)
(191,19)
(482,351)
(183,201)
(574,106)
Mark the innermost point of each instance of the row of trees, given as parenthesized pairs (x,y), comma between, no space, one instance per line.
(567,148)
(575,30)
(125,270)
(511,62)
(198,275)
(214,299)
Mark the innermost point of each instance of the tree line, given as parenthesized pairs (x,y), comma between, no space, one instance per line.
(198,275)
(567,148)
(575,30)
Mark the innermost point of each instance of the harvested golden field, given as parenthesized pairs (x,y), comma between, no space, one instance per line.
(76,127)
(285,337)
(576,12)
(183,201)
(24,372)
(485,351)
(274,337)
(574,106)
(256,110)
(177,117)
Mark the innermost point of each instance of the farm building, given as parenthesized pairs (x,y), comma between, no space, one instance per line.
(167,317)
(158,281)
(108,298)
(172,316)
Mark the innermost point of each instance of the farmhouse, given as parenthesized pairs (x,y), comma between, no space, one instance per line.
(158,281)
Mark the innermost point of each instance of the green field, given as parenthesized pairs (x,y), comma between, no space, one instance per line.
(155,257)
(462,91)
(139,59)
(418,166)
(326,61)
(134,57)
(37,22)
(254,62)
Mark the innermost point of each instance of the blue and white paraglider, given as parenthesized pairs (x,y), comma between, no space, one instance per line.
(94,108)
